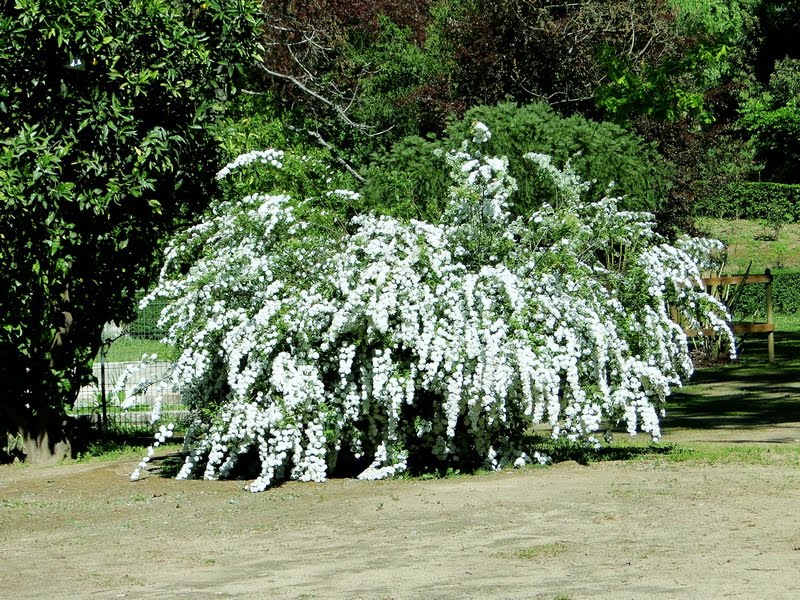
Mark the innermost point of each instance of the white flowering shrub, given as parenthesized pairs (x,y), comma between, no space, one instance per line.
(416,345)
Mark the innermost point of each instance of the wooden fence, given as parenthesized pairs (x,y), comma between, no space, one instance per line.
(745,327)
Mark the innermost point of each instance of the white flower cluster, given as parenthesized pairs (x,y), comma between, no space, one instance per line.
(164,432)
(481,184)
(566,181)
(480,133)
(343,194)
(398,344)
(271,157)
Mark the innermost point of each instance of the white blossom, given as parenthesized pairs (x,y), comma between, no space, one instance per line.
(455,337)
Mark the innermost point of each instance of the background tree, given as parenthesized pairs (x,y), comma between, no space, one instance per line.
(361,74)
(770,115)
(103,151)
(674,71)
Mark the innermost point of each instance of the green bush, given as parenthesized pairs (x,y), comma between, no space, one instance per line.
(778,203)
(750,300)
(408,182)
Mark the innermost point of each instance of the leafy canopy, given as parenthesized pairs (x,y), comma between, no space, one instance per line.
(103,148)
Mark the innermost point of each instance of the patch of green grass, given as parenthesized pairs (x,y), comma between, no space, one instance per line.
(448,473)
(736,397)
(787,322)
(752,353)
(117,443)
(104,451)
(12,503)
(722,453)
(130,349)
(540,551)
(747,241)
(641,448)
(752,348)
(621,447)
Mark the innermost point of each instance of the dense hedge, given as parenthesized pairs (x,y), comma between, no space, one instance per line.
(785,297)
(412,181)
(779,202)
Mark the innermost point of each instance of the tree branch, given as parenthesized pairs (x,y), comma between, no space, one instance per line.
(341,112)
(321,141)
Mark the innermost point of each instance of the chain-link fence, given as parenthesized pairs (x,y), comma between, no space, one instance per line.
(131,377)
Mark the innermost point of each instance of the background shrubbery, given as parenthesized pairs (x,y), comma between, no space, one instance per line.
(410,181)
(751,301)
(769,201)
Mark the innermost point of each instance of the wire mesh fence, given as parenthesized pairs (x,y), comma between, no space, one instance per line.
(127,389)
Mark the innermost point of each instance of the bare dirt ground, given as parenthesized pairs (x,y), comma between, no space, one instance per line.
(652,528)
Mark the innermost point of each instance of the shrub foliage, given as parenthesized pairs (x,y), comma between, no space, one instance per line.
(751,299)
(774,202)
(410,181)
(412,345)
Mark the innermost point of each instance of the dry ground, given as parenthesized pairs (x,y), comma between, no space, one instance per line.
(717,525)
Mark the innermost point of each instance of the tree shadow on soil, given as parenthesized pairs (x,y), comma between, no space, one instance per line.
(168,465)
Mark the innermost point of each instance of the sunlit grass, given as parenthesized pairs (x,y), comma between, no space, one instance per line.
(130,349)
(541,551)
(748,241)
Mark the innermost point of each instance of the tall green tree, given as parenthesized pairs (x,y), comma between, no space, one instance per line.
(104,149)
(772,118)
(770,114)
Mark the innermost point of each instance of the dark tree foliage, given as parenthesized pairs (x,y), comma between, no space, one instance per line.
(780,34)
(563,54)
(104,149)
(566,53)
(771,114)
(360,74)
(308,43)
(773,120)
(670,68)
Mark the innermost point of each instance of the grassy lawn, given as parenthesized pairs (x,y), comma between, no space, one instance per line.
(130,349)
(753,348)
(748,241)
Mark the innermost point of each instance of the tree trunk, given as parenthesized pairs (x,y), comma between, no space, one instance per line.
(46,447)
(44,436)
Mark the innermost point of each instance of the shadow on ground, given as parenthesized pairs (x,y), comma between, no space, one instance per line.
(748,394)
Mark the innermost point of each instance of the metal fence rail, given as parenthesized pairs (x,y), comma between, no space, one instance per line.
(111,403)
(138,414)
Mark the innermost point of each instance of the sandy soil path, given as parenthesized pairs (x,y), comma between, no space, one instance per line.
(638,529)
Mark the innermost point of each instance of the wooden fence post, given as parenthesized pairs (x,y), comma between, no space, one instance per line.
(771,335)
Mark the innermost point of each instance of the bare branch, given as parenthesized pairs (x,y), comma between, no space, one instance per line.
(327,101)
(321,141)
